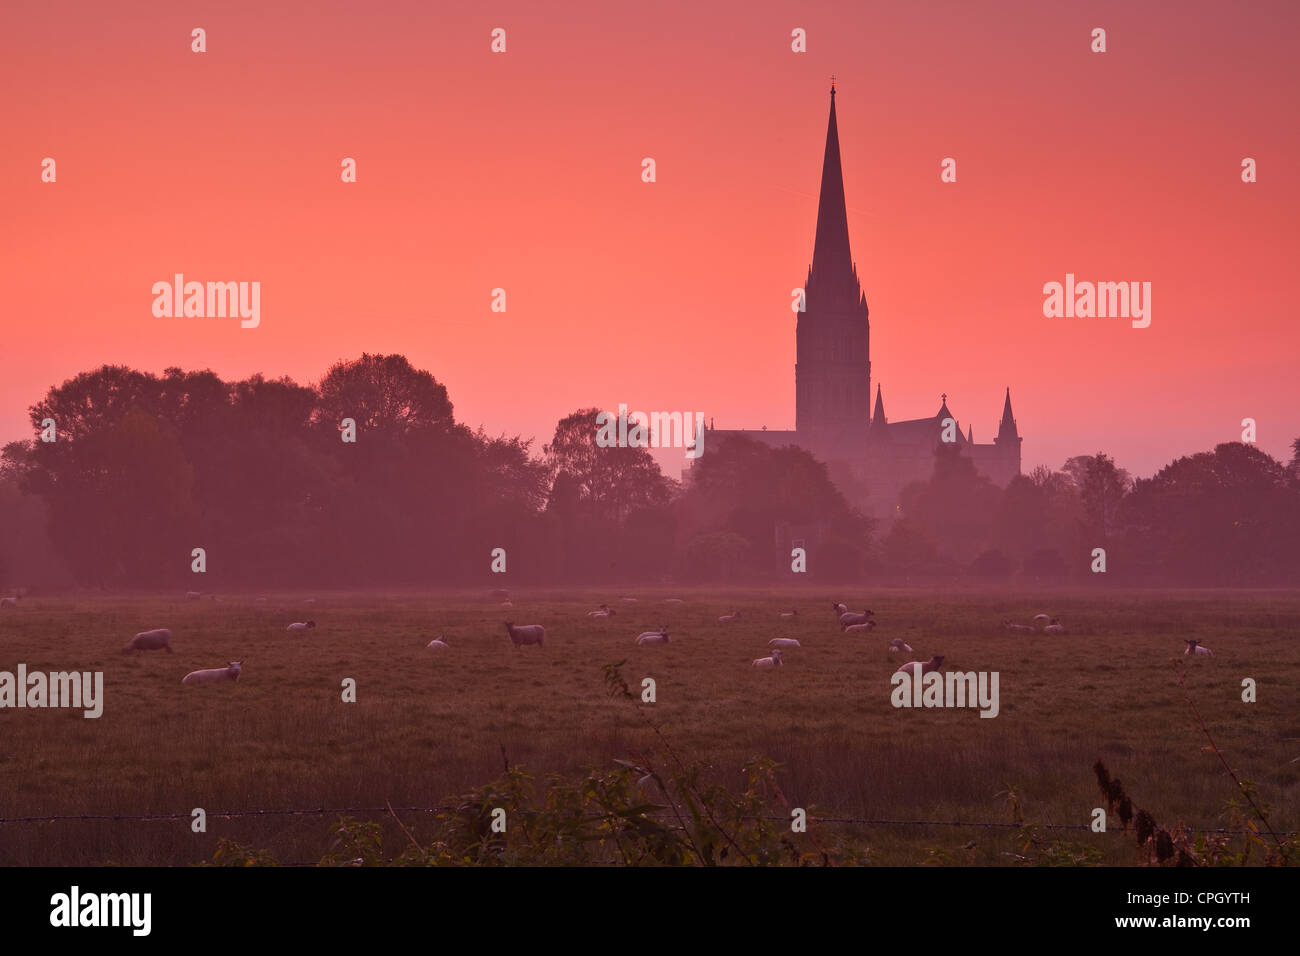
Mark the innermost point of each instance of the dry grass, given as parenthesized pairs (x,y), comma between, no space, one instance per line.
(429,725)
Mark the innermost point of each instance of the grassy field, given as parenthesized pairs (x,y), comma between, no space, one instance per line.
(428,725)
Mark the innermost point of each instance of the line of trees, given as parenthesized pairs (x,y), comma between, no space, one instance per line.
(144,468)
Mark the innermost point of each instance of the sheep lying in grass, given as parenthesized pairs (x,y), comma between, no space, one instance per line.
(215,675)
(439,643)
(793,612)
(862,628)
(848,618)
(192,595)
(1041,619)
(917,668)
(783,642)
(1056,627)
(1196,650)
(603,611)
(729,618)
(653,637)
(158,639)
(898,644)
(673,601)
(301,626)
(526,634)
(773,661)
(1018,627)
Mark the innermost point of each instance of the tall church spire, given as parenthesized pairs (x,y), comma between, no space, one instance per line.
(832,332)
(832,259)
(1007,429)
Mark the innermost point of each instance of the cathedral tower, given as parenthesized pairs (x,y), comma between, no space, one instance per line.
(833,362)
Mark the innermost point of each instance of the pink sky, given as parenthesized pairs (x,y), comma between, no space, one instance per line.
(522,171)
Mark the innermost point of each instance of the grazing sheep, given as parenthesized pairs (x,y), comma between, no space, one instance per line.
(301,626)
(839,609)
(898,644)
(158,639)
(729,618)
(8,602)
(793,612)
(214,675)
(526,634)
(1056,627)
(848,618)
(1017,627)
(439,643)
(192,595)
(1041,619)
(922,667)
(773,661)
(604,611)
(857,628)
(783,642)
(653,637)
(1194,648)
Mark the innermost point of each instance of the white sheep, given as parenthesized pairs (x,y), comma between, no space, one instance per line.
(922,667)
(439,643)
(862,628)
(1056,627)
(848,618)
(673,601)
(214,675)
(507,603)
(839,609)
(1017,627)
(604,611)
(898,644)
(157,639)
(729,618)
(526,634)
(773,661)
(301,626)
(1041,619)
(629,600)
(192,595)
(8,602)
(1195,649)
(783,642)
(653,637)
(793,612)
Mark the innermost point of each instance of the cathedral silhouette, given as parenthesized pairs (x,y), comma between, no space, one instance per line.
(870,458)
